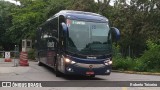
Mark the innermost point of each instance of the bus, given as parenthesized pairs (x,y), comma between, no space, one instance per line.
(76,43)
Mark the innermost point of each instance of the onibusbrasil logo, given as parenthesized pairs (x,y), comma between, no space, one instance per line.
(21,84)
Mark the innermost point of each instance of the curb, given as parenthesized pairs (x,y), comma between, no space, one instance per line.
(134,72)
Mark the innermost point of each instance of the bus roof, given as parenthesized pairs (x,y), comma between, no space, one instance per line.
(81,15)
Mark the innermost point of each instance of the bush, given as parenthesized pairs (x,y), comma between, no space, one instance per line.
(1,56)
(31,54)
(120,63)
(139,65)
(150,60)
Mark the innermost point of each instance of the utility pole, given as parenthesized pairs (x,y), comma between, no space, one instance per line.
(129,51)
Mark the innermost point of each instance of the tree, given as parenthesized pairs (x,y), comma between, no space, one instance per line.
(5,23)
(137,21)
(26,19)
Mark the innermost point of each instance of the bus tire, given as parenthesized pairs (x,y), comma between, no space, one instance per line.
(58,73)
(92,76)
(40,63)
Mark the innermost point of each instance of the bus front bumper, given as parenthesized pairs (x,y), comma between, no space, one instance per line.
(88,69)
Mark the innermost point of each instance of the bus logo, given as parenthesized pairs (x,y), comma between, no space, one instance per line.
(90,66)
(91,57)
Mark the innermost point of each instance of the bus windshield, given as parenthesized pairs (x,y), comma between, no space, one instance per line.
(88,38)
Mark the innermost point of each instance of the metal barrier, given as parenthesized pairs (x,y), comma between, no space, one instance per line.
(14,55)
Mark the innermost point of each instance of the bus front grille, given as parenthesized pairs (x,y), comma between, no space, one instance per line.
(83,65)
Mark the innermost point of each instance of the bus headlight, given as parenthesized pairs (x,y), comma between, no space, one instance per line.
(108,62)
(69,61)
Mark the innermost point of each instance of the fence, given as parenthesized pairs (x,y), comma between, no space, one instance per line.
(13,54)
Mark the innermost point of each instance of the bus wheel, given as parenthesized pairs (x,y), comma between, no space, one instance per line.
(58,74)
(92,76)
(40,63)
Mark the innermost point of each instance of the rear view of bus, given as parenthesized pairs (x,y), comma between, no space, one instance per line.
(85,45)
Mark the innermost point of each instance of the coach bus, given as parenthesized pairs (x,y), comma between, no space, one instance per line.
(76,42)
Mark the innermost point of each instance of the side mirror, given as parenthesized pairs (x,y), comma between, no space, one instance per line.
(115,33)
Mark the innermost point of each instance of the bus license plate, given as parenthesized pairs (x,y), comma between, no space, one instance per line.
(89,73)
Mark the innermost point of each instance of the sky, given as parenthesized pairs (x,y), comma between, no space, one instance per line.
(13,1)
(112,2)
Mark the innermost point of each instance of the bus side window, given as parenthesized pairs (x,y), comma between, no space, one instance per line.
(38,38)
(53,33)
(54,27)
(51,44)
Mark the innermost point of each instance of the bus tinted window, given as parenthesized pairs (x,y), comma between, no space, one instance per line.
(88,36)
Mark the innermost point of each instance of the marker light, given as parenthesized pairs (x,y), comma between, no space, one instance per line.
(69,61)
(108,62)
(73,62)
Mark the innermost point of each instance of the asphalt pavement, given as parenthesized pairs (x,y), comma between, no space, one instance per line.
(33,72)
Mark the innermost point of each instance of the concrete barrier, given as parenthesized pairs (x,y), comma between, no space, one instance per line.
(23,59)
(7,57)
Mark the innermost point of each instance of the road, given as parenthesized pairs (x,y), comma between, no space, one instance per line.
(43,73)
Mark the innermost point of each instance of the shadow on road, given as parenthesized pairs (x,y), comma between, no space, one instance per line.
(78,77)
(72,77)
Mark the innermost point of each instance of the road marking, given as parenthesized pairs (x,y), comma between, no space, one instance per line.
(124,88)
(147,88)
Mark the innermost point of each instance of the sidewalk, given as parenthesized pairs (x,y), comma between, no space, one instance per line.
(7,64)
(9,67)
(136,72)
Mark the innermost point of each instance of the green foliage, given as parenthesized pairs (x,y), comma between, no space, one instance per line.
(137,22)
(55,6)
(5,21)
(120,63)
(1,55)
(31,54)
(149,61)
(25,20)
(151,57)
(116,50)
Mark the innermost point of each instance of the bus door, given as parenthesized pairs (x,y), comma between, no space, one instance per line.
(51,52)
